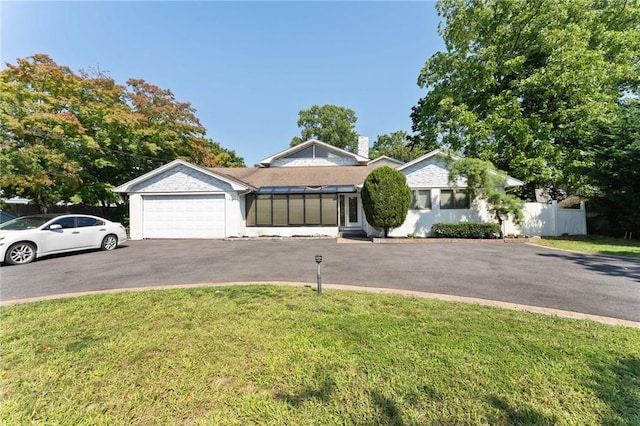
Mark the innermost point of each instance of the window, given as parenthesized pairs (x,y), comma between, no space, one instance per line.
(421,199)
(454,199)
(305,153)
(251,209)
(280,217)
(292,209)
(312,209)
(296,209)
(353,210)
(66,222)
(313,151)
(82,221)
(263,210)
(330,209)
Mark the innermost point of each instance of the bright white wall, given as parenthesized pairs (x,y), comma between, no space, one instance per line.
(135,216)
(419,222)
(280,231)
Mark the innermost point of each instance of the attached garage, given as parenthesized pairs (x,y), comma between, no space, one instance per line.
(181,200)
(183,216)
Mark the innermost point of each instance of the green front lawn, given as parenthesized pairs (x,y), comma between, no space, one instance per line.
(594,244)
(280,355)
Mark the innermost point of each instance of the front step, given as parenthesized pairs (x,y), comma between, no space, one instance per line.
(356,234)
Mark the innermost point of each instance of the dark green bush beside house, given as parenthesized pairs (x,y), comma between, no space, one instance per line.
(465,230)
(386,198)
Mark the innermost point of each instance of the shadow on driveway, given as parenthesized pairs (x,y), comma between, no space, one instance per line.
(606,265)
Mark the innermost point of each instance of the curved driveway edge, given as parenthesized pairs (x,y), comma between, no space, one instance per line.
(444,297)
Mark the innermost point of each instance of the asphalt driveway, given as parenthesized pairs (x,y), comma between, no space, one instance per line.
(515,273)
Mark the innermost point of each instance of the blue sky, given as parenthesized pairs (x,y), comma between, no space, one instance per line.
(247,67)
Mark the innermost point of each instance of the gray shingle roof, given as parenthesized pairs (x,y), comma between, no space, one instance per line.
(298,176)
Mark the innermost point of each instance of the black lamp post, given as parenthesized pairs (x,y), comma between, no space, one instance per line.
(319,261)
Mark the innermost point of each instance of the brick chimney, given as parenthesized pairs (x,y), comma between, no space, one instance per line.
(363,146)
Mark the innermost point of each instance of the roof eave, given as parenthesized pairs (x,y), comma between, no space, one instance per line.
(128,186)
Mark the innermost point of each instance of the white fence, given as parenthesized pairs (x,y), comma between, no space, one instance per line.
(551,220)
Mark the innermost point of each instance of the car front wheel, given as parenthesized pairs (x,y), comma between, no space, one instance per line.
(109,242)
(20,253)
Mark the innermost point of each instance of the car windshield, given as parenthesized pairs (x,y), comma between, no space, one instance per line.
(25,222)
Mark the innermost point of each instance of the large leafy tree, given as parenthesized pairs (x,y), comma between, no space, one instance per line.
(386,198)
(527,84)
(395,145)
(69,136)
(331,124)
(485,182)
(616,174)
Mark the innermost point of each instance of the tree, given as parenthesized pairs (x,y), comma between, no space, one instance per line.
(616,173)
(386,198)
(395,145)
(527,84)
(225,157)
(37,133)
(331,124)
(69,136)
(484,181)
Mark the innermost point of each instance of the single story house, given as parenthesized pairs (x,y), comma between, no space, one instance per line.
(307,190)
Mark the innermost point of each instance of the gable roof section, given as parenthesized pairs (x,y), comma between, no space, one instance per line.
(234,183)
(385,160)
(511,181)
(335,150)
(426,156)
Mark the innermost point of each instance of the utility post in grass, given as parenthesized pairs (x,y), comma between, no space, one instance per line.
(319,261)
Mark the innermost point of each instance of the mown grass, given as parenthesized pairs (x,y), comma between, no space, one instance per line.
(594,244)
(279,355)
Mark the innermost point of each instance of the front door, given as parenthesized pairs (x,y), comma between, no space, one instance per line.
(350,211)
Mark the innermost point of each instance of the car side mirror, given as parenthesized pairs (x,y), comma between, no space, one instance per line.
(55,226)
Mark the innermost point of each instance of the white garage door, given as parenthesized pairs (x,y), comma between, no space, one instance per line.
(184,216)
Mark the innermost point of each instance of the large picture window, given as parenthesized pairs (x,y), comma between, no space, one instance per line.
(292,209)
(454,199)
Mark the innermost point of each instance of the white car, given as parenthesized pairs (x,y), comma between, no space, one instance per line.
(28,237)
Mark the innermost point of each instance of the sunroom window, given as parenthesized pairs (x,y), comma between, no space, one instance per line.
(292,209)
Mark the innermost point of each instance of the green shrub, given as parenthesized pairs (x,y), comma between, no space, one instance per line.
(386,198)
(465,230)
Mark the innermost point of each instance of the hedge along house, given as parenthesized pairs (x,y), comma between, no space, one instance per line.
(307,190)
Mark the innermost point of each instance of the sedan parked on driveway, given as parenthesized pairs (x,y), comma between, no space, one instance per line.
(29,237)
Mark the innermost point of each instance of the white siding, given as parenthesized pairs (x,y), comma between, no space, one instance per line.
(430,173)
(182,179)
